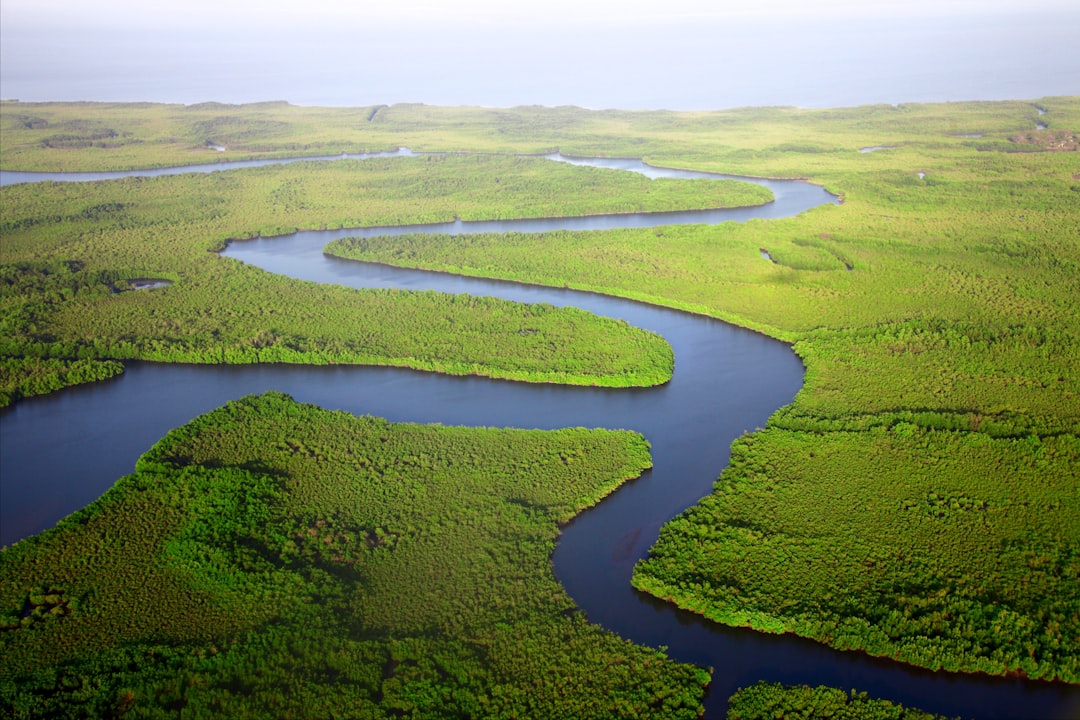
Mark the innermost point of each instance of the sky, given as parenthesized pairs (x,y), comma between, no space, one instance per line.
(633,54)
(261,13)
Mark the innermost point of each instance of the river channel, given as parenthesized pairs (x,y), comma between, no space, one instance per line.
(62,451)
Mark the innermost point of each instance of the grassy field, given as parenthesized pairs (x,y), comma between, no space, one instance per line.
(919,498)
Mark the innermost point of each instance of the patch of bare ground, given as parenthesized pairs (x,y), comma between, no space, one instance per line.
(1054,140)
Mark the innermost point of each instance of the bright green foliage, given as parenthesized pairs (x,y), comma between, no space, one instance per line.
(273,559)
(772,701)
(940,548)
(70,251)
(939,303)
(26,376)
(936,311)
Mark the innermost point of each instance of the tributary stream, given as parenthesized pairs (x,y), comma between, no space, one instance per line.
(62,451)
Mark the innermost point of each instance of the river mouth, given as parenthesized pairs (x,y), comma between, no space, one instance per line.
(727,381)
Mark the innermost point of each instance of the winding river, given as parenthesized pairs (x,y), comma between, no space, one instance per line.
(62,451)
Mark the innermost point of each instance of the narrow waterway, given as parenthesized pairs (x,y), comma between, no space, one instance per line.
(63,450)
(15,177)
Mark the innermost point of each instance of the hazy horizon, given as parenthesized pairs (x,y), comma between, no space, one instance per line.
(681,55)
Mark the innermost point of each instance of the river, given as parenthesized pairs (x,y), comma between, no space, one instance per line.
(65,449)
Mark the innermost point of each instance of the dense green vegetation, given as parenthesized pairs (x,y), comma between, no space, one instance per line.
(272,559)
(933,313)
(27,376)
(70,250)
(787,142)
(943,548)
(771,701)
(936,311)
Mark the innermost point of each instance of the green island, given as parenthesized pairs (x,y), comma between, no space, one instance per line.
(920,498)
(770,701)
(273,559)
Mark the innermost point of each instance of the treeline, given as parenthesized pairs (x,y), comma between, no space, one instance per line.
(27,376)
(242,315)
(767,701)
(70,249)
(275,199)
(273,559)
(949,550)
(767,141)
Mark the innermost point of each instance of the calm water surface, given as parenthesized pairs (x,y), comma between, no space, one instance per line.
(62,451)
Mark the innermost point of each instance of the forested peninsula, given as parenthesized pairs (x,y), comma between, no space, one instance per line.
(72,251)
(919,500)
(273,559)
